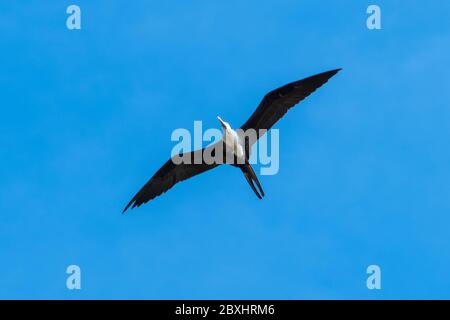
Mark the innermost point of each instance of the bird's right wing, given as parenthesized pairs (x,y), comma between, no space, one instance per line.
(170,174)
(277,102)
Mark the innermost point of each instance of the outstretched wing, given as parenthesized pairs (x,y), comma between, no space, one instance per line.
(277,102)
(170,174)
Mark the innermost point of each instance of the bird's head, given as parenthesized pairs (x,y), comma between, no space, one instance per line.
(225,125)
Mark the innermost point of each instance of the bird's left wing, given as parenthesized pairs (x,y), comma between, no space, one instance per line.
(277,102)
(170,174)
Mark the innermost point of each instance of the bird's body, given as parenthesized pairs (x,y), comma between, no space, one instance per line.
(234,145)
(235,148)
(235,151)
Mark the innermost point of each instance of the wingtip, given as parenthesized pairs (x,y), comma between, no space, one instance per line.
(126,208)
(333,72)
(328,74)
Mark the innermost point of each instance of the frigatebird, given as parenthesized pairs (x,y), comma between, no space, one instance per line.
(271,109)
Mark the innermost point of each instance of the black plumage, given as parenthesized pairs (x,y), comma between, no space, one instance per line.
(272,108)
(276,103)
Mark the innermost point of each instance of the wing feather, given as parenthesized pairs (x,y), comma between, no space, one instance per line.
(277,102)
(169,175)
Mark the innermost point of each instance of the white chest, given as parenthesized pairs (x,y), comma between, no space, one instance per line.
(233,143)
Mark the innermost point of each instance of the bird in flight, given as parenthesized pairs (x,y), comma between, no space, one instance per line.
(234,145)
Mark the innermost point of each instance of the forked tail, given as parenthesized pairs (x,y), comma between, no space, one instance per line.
(251,177)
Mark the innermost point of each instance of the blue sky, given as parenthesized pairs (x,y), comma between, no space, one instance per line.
(87,117)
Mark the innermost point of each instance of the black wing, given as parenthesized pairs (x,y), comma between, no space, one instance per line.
(277,102)
(169,174)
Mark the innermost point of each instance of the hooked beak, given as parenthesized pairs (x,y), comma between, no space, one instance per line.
(221,122)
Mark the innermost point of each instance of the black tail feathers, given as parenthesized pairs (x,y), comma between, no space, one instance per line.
(251,177)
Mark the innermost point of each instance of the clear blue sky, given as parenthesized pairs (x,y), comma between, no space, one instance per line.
(86,118)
